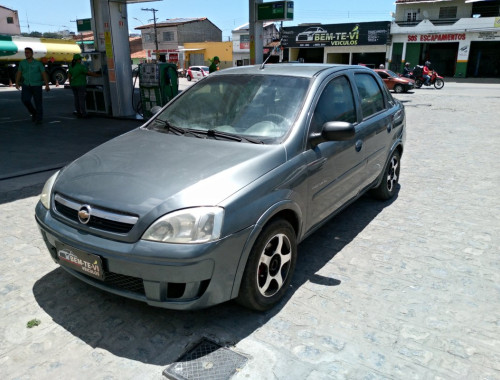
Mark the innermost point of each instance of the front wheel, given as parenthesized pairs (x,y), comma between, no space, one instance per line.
(270,267)
(418,83)
(439,83)
(398,89)
(188,78)
(387,187)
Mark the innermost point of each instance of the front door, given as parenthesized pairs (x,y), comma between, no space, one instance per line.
(335,167)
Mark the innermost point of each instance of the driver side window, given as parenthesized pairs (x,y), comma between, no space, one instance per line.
(335,104)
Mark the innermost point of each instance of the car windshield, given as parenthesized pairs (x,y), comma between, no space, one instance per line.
(254,107)
(392,74)
(204,68)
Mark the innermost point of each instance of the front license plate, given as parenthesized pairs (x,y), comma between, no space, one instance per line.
(84,262)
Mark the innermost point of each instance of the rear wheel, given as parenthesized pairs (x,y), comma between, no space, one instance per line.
(188,77)
(270,267)
(58,76)
(387,187)
(398,88)
(439,83)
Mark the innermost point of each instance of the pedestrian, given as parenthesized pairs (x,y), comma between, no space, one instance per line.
(214,66)
(31,75)
(77,76)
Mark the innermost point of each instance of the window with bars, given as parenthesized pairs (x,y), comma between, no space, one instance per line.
(448,12)
(168,36)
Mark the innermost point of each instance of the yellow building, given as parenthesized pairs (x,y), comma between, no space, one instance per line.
(201,53)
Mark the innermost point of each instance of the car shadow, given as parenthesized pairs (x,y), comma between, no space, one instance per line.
(136,331)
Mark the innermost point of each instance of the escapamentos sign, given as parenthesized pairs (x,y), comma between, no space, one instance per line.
(436,37)
(363,33)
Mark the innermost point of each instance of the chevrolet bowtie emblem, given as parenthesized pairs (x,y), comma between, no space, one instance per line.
(84,214)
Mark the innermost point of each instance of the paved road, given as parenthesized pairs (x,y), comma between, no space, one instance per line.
(402,290)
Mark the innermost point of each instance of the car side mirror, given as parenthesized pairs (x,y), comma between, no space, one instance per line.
(334,131)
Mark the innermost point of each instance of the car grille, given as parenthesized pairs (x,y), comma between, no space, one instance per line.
(101,219)
(123,282)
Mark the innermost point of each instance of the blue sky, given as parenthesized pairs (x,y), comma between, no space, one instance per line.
(54,15)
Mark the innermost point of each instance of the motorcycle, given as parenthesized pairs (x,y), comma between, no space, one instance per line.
(436,80)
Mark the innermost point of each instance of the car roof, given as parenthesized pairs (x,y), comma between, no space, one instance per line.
(290,69)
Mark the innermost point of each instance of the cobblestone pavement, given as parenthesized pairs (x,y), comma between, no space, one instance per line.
(408,289)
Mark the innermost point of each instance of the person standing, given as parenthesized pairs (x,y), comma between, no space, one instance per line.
(33,75)
(214,66)
(77,76)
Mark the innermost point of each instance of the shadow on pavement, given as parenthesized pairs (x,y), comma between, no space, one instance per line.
(136,331)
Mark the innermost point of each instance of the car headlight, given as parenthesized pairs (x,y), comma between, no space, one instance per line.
(193,225)
(47,190)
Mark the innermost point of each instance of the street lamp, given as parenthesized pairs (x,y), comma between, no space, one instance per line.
(154,20)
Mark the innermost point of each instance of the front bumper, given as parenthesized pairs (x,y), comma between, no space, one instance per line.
(173,276)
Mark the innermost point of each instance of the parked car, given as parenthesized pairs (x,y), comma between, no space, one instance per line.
(208,200)
(197,72)
(394,82)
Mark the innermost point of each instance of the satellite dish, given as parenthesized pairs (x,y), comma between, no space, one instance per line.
(426,15)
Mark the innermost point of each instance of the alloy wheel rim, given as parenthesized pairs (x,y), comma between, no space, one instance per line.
(392,175)
(274,265)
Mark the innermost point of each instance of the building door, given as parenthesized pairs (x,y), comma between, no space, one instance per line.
(443,57)
(196,59)
(484,59)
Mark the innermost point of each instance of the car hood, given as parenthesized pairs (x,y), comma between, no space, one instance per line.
(145,170)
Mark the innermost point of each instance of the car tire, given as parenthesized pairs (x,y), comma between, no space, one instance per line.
(270,267)
(390,179)
(188,78)
(398,88)
(58,77)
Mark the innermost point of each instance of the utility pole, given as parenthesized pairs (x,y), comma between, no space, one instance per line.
(154,23)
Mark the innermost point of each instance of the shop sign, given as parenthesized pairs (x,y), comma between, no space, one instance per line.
(488,35)
(368,33)
(244,41)
(436,37)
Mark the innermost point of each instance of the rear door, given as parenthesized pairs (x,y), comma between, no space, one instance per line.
(375,128)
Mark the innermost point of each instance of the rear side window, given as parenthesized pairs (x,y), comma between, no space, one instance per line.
(372,99)
(335,104)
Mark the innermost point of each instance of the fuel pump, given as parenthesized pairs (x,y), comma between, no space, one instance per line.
(158,84)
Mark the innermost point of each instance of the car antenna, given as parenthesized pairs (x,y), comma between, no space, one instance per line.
(276,48)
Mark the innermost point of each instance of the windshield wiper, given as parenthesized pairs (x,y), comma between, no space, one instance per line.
(224,135)
(172,128)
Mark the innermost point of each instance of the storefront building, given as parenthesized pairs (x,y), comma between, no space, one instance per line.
(353,43)
(461,38)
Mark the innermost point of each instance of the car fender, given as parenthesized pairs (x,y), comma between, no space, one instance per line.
(270,213)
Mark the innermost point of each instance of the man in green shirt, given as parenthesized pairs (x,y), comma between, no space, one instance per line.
(77,75)
(33,76)
(214,66)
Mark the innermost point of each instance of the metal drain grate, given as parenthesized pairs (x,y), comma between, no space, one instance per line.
(206,361)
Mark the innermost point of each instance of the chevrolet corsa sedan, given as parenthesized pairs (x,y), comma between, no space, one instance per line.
(208,200)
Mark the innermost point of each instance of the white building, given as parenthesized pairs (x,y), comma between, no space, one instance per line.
(241,42)
(460,38)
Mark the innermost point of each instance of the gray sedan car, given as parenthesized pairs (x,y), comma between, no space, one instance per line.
(208,200)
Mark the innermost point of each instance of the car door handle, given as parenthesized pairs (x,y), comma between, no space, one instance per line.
(389,127)
(359,145)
